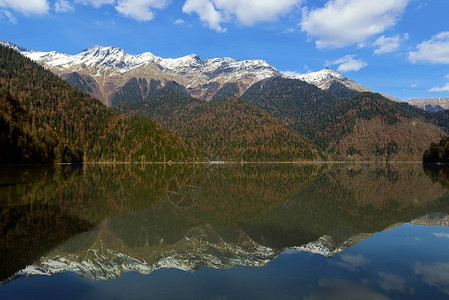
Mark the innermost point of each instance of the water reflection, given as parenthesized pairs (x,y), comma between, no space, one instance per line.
(102,221)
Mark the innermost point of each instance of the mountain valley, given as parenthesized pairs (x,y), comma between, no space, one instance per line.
(311,117)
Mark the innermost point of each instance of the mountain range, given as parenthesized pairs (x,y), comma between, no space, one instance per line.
(105,257)
(305,117)
(104,71)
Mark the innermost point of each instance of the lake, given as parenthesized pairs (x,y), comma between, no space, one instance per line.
(233,231)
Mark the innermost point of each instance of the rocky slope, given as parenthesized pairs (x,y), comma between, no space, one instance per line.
(103,71)
(433,105)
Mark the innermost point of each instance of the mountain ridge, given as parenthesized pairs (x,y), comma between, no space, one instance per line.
(364,127)
(430,104)
(111,68)
(54,118)
(332,82)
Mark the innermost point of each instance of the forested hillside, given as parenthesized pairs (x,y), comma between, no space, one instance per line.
(437,152)
(365,127)
(227,129)
(44,119)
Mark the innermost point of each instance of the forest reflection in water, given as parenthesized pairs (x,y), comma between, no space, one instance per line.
(102,221)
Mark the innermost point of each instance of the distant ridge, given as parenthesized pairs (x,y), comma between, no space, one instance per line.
(434,105)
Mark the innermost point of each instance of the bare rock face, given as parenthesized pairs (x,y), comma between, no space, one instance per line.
(103,71)
(433,105)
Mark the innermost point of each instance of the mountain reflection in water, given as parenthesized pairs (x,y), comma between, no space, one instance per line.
(103,221)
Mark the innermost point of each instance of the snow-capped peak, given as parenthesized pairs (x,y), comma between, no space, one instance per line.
(111,68)
(103,52)
(99,56)
(13,46)
(325,77)
(192,60)
(319,76)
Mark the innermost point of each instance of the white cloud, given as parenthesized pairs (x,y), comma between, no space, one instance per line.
(9,16)
(249,12)
(26,7)
(95,3)
(343,23)
(291,74)
(179,22)
(245,12)
(288,30)
(391,282)
(434,275)
(140,10)
(348,63)
(444,88)
(388,44)
(351,262)
(207,13)
(441,234)
(435,50)
(63,6)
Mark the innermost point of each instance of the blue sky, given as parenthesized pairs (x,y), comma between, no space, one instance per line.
(398,47)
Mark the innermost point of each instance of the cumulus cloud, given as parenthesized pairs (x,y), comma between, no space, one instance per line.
(388,44)
(444,88)
(434,274)
(63,6)
(348,63)
(140,10)
(207,13)
(342,23)
(435,50)
(351,262)
(95,3)
(26,7)
(179,22)
(245,12)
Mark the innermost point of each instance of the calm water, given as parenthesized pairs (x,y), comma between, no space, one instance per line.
(224,232)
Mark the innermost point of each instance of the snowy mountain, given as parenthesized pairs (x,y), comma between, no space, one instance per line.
(106,257)
(103,255)
(333,82)
(107,69)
